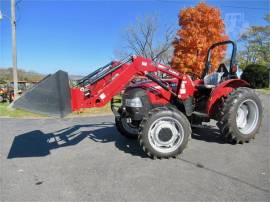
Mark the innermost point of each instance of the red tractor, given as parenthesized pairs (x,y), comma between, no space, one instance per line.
(157,111)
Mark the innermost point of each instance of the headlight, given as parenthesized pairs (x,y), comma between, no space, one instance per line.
(135,102)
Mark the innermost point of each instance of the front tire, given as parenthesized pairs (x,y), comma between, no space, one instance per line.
(241,115)
(126,129)
(164,133)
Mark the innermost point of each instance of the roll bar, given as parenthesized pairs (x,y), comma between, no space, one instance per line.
(208,58)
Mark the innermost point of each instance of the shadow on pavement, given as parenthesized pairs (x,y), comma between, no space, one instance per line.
(208,134)
(36,143)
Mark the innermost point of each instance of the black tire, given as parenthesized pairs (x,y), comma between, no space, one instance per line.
(163,113)
(127,130)
(228,121)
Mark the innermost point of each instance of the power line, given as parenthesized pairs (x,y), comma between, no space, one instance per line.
(228,6)
(255,8)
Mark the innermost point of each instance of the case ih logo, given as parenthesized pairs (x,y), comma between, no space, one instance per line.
(174,72)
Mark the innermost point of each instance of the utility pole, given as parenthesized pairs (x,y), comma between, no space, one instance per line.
(269,75)
(14,48)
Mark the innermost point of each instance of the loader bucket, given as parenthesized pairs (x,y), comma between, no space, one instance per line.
(51,96)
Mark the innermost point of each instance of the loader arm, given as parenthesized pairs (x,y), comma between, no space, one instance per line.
(99,90)
(53,95)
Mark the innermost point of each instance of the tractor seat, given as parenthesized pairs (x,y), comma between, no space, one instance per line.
(210,81)
(213,79)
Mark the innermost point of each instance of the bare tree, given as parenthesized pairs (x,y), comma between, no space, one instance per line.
(145,38)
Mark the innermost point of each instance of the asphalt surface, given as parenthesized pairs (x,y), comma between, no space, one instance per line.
(85,159)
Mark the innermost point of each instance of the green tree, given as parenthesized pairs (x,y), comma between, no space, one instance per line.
(256,75)
(6,75)
(256,43)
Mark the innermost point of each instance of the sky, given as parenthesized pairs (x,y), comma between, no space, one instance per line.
(80,36)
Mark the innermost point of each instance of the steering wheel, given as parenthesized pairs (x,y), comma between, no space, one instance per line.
(193,75)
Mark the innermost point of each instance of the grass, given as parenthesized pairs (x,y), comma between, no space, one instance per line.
(5,111)
(265,90)
(93,111)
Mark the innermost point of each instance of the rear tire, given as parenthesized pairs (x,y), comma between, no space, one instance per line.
(241,115)
(126,129)
(164,133)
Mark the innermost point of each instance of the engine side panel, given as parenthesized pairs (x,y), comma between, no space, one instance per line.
(151,95)
(136,113)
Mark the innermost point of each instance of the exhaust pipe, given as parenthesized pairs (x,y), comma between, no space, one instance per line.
(51,96)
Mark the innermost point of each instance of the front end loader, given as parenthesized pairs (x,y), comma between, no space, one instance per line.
(158,111)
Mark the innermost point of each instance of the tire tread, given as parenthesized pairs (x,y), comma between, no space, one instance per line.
(225,122)
(143,125)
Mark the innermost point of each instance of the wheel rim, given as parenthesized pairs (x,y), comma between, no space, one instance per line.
(247,116)
(132,129)
(166,134)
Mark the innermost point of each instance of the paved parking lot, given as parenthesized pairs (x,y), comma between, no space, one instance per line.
(84,159)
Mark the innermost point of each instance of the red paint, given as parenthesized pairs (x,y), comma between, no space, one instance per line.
(103,90)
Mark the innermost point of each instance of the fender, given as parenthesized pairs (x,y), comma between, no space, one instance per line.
(223,90)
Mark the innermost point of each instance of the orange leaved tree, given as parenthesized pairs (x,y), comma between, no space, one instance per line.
(200,27)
